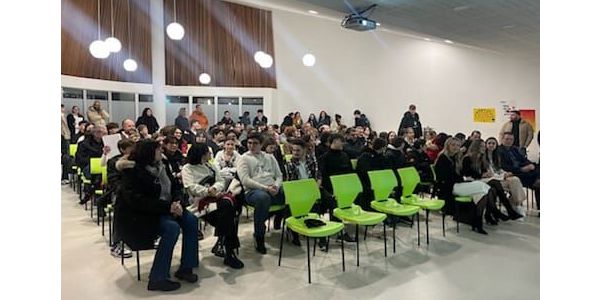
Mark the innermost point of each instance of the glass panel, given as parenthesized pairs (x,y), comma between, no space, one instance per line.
(174,103)
(101,96)
(208,107)
(123,107)
(146,98)
(72,93)
(230,104)
(251,105)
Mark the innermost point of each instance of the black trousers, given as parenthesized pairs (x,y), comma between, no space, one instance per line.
(224,221)
(65,160)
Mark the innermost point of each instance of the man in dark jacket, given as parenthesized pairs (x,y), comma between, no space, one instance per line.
(370,160)
(355,143)
(90,147)
(260,119)
(515,162)
(182,121)
(361,120)
(411,119)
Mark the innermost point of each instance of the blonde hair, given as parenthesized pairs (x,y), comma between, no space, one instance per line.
(455,158)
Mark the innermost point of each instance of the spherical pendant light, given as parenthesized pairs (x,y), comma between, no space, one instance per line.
(98,49)
(175,31)
(113,44)
(130,65)
(204,78)
(258,55)
(266,61)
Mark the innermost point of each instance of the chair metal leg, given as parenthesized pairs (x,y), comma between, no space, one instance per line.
(384,240)
(281,243)
(394,235)
(427,224)
(314,246)
(308,256)
(137,256)
(122,257)
(103,225)
(357,248)
(418,231)
(365,238)
(456,213)
(343,259)
(110,233)
(444,224)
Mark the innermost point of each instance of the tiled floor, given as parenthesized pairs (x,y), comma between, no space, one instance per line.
(503,265)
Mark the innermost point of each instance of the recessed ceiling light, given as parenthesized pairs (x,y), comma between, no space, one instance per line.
(449,41)
(378,24)
(313,12)
(508,26)
(427,39)
(459,8)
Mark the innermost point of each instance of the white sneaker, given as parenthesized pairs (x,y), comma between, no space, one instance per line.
(116,251)
(64,181)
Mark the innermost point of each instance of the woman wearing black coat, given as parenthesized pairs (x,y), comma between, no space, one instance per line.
(324,119)
(150,207)
(149,120)
(450,182)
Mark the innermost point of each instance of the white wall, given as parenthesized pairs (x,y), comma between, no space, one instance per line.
(381,73)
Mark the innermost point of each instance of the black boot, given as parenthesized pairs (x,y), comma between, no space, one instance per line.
(489,219)
(499,215)
(478,225)
(260,244)
(277,221)
(295,237)
(186,275)
(232,260)
(164,285)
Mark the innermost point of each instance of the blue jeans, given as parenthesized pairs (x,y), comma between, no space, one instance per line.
(262,200)
(169,232)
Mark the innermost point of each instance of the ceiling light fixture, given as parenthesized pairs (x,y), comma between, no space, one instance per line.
(427,39)
(129,64)
(98,48)
(112,43)
(174,30)
(313,12)
(309,60)
(204,79)
(448,41)
(263,59)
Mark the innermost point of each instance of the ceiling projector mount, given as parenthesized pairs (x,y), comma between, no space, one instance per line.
(358,21)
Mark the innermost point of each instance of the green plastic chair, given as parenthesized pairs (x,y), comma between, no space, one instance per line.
(95,169)
(410,179)
(383,183)
(72,149)
(345,189)
(288,157)
(300,196)
(354,161)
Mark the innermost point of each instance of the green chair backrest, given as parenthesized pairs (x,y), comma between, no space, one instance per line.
(410,179)
(345,189)
(301,195)
(288,157)
(72,149)
(281,147)
(433,172)
(383,183)
(354,161)
(95,167)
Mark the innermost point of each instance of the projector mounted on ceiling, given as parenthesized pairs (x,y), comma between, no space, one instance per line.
(357,21)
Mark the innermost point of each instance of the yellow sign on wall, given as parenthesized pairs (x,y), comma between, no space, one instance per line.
(484,115)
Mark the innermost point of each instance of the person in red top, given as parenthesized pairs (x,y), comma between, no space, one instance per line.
(437,146)
(199,115)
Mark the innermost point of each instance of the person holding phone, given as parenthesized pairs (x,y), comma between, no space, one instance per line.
(152,207)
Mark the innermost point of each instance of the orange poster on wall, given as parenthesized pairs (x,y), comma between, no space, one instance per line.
(529,116)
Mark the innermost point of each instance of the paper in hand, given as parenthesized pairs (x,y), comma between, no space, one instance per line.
(112,141)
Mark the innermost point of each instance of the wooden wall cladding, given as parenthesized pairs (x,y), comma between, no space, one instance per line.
(220,39)
(79,27)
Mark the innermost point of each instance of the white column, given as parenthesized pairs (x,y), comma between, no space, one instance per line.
(158,61)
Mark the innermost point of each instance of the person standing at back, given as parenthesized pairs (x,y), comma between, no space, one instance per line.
(182,121)
(96,115)
(148,119)
(73,120)
(411,120)
(521,130)
(199,116)
(64,145)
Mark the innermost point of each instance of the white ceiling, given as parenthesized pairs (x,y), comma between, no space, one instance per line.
(511,27)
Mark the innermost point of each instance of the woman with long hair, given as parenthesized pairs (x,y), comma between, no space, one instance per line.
(203,182)
(324,119)
(510,183)
(476,167)
(450,183)
(151,207)
(149,120)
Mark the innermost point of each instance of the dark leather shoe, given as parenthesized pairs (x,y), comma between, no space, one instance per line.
(218,250)
(234,262)
(164,285)
(260,245)
(186,275)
